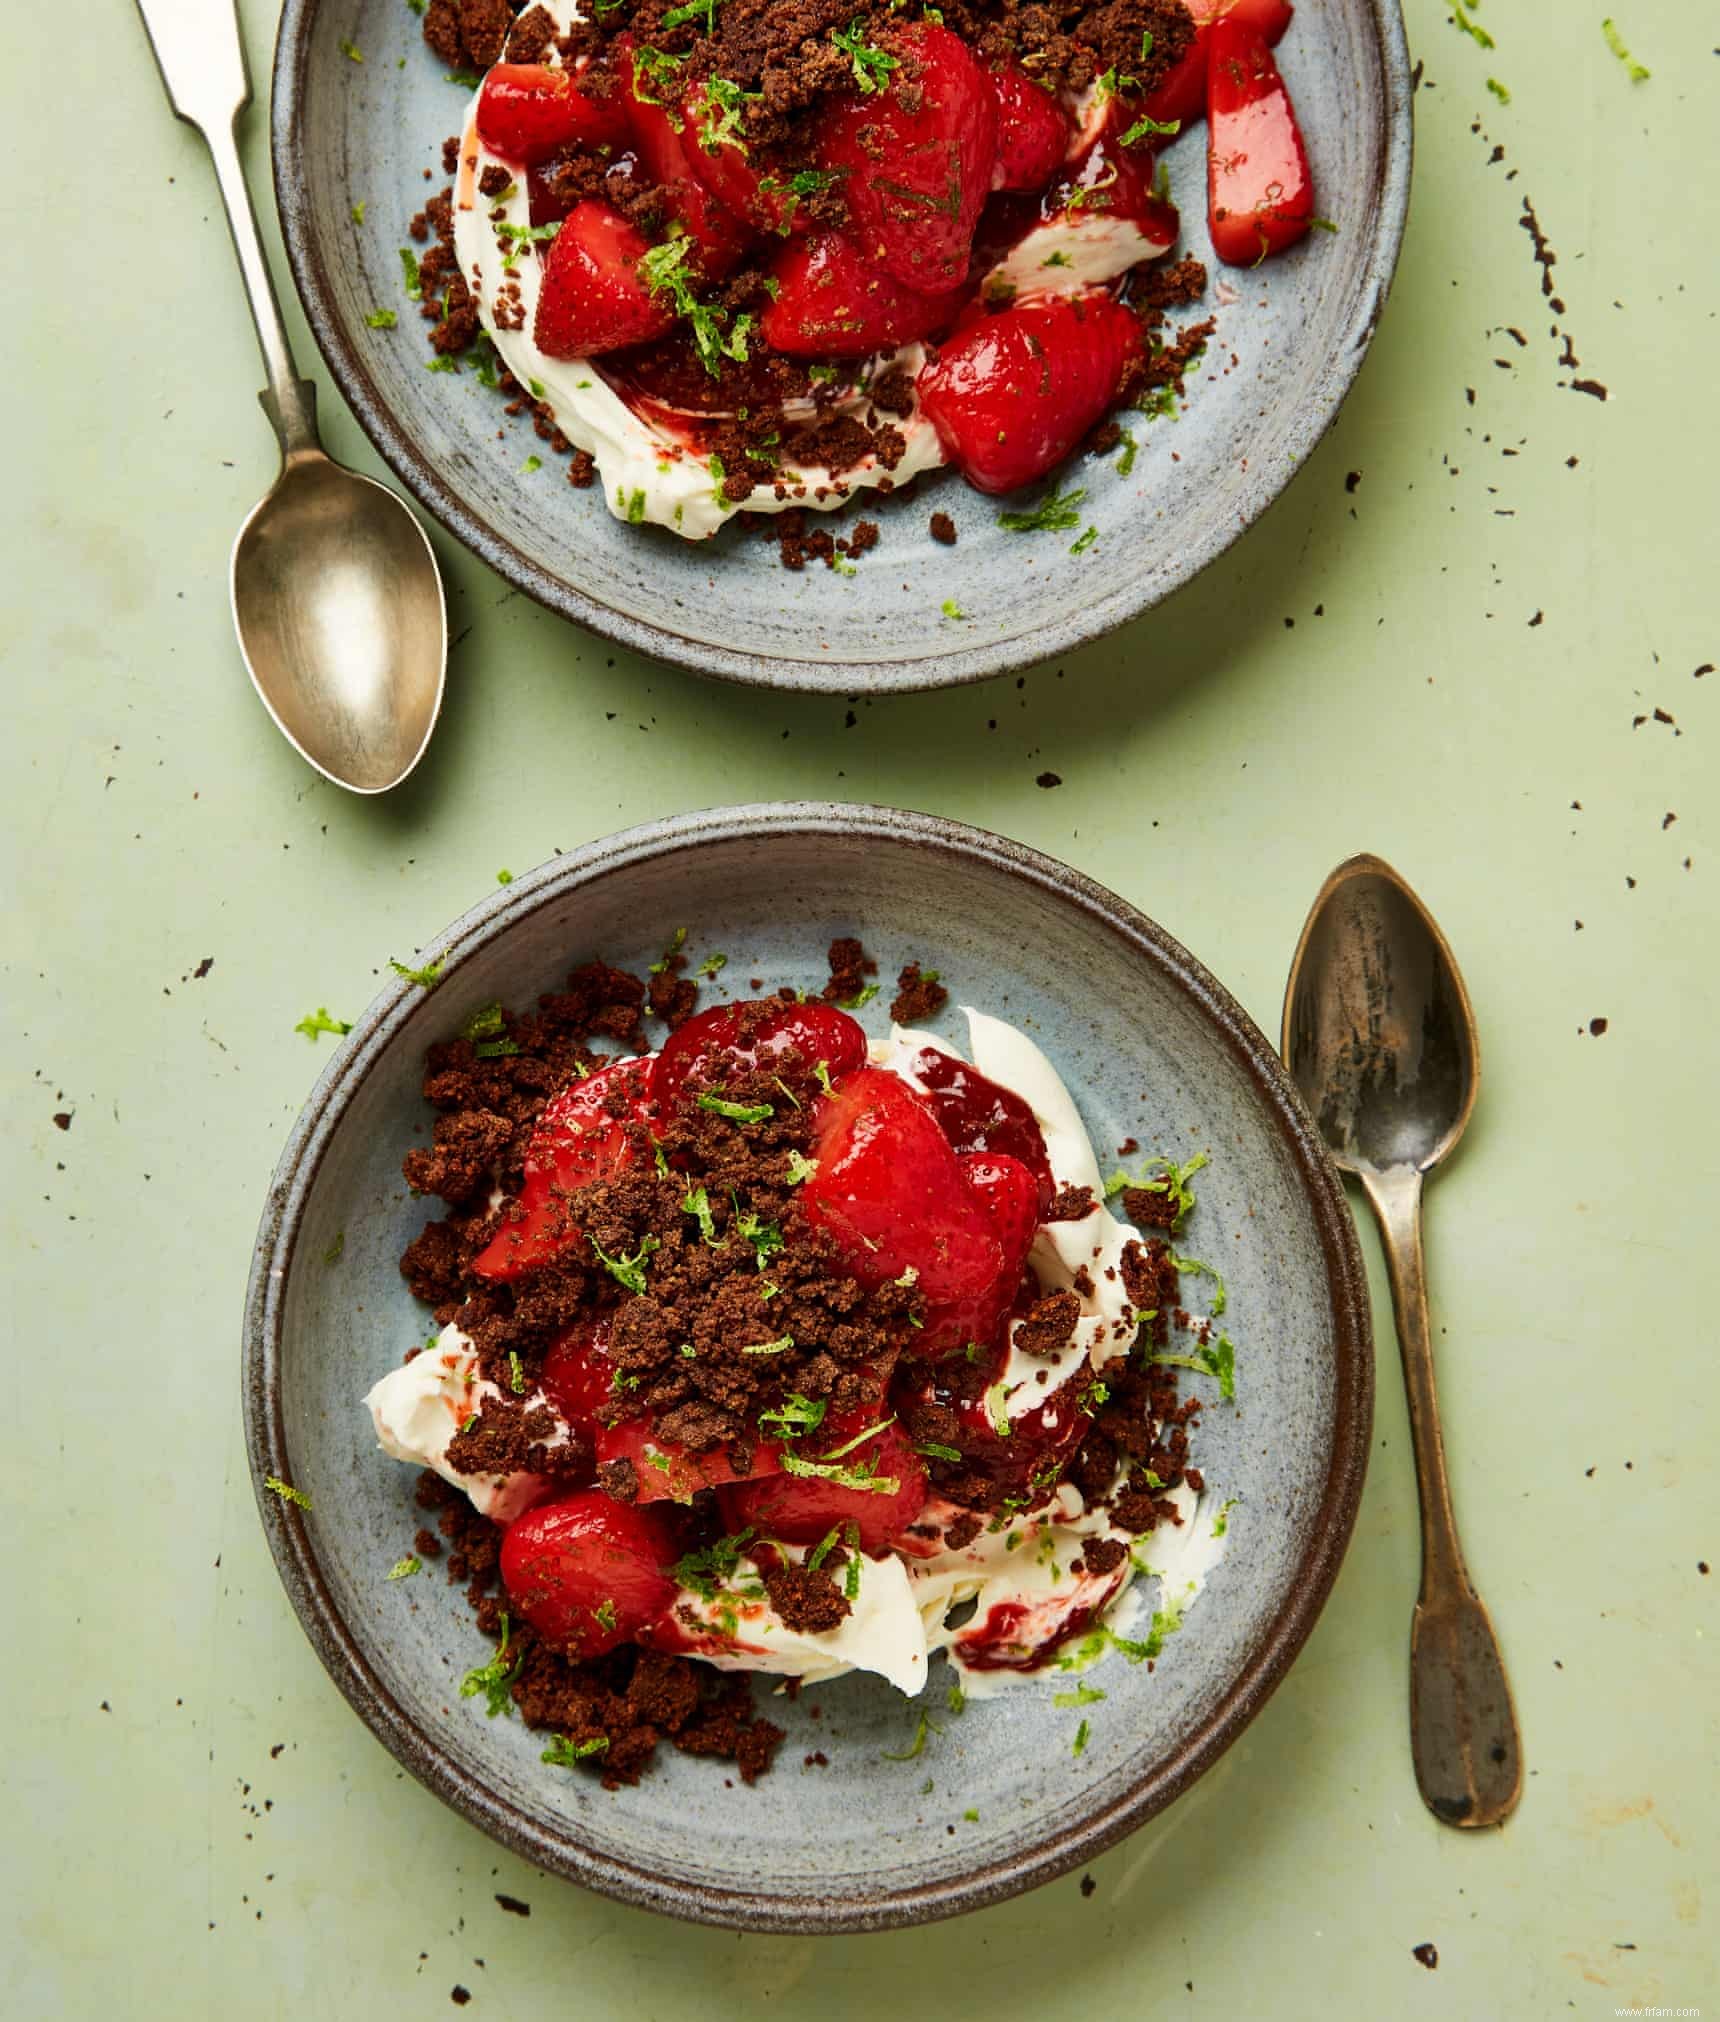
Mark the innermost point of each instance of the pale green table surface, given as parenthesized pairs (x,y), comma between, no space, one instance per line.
(1447,660)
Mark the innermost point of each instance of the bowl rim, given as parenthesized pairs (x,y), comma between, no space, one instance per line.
(560,1851)
(1268,476)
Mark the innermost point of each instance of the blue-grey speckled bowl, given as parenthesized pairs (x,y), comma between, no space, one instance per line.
(1298,328)
(1152,1048)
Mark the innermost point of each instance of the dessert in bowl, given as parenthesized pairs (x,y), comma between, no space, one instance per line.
(1101,1720)
(893,608)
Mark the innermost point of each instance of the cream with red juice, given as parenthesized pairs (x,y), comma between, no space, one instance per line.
(929,258)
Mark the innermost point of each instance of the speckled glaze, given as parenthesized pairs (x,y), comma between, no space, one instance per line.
(1298,326)
(1152,1048)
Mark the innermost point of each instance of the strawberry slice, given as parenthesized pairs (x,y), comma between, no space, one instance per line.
(1180,95)
(587,1573)
(530,111)
(803,1507)
(714,133)
(832,304)
(1008,1197)
(733,1037)
(1107,182)
(1012,394)
(916,150)
(666,147)
(581,1136)
(578,1378)
(594,297)
(1260,193)
(1032,131)
(577,1375)
(890,1195)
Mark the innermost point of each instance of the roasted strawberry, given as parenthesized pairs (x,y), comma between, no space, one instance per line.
(529,111)
(594,297)
(731,1038)
(890,1195)
(1032,131)
(587,1573)
(579,1379)
(834,1478)
(1260,192)
(667,1471)
(576,1140)
(1011,394)
(1179,97)
(666,148)
(1008,1197)
(1106,181)
(578,1376)
(714,116)
(915,143)
(832,304)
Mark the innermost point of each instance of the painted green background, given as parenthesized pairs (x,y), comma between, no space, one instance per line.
(1446,661)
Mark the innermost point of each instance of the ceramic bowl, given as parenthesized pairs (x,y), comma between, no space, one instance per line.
(1298,328)
(1152,1048)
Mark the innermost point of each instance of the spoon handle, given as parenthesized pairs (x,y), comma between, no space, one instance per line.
(202,64)
(1463,1730)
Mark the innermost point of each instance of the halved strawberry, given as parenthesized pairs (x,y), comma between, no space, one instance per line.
(832,304)
(577,1139)
(1180,95)
(729,1038)
(1032,131)
(816,1492)
(577,1375)
(530,111)
(666,147)
(1107,180)
(916,149)
(714,115)
(594,296)
(587,1573)
(1012,394)
(890,1195)
(578,1378)
(1008,1197)
(1260,191)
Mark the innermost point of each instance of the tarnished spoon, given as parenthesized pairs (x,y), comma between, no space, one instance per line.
(336,594)
(1381,1041)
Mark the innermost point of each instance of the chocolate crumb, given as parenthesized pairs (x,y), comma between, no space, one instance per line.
(918,995)
(943,529)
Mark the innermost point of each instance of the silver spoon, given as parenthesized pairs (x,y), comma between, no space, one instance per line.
(336,595)
(1381,1041)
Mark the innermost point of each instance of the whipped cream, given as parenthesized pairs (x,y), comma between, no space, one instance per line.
(418,1408)
(1018,1572)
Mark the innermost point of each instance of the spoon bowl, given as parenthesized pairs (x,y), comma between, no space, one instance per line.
(1379,1035)
(338,605)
